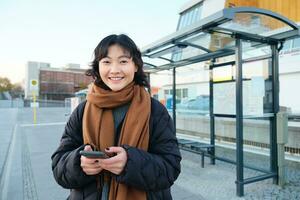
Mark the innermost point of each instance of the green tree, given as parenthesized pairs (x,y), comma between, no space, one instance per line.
(17,90)
(5,84)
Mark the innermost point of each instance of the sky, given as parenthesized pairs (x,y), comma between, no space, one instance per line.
(67,31)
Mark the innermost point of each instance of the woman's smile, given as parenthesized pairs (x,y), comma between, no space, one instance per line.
(115,78)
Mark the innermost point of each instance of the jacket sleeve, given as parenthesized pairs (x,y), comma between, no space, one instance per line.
(66,159)
(159,167)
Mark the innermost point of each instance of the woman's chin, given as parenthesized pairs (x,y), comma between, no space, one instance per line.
(116,88)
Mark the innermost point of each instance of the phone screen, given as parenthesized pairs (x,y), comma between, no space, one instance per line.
(93,154)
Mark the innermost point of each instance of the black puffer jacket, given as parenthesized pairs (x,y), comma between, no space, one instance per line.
(153,171)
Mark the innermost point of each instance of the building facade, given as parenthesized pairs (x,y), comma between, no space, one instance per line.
(55,83)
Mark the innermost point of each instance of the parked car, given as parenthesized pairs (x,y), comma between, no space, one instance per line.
(199,105)
(169,103)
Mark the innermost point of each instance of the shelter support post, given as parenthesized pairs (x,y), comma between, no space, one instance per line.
(174,97)
(239,119)
(273,132)
(211,112)
(148,79)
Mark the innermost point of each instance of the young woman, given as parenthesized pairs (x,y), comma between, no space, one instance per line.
(121,119)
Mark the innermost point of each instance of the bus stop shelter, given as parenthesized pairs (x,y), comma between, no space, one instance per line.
(230,33)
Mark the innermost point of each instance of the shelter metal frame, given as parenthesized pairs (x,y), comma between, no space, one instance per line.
(227,23)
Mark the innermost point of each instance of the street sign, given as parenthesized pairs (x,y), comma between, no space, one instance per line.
(34,84)
(34,88)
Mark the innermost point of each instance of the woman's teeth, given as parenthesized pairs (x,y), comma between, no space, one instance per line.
(115,78)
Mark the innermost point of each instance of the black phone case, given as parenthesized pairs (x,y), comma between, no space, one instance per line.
(93,154)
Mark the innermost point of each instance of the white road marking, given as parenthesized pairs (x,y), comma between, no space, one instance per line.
(43,124)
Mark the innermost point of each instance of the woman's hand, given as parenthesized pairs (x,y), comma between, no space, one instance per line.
(116,163)
(90,166)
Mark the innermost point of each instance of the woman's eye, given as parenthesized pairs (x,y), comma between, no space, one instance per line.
(105,62)
(123,61)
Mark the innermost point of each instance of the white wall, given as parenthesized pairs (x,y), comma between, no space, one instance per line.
(32,72)
(289,61)
(289,78)
(212,6)
(289,91)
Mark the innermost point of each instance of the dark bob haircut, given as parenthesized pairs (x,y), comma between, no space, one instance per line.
(128,45)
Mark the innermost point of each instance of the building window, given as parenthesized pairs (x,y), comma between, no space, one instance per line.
(190,16)
(184,93)
(187,18)
(195,14)
(167,92)
(217,42)
(178,93)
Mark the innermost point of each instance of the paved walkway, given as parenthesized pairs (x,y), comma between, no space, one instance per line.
(25,165)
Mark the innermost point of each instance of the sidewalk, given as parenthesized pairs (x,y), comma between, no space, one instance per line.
(29,176)
(8,119)
(217,181)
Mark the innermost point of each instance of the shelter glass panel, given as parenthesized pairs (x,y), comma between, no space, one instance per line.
(296,43)
(192,104)
(257,94)
(211,42)
(257,143)
(255,23)
(287,45)
(257,80)
(254,49)
(225,133)
(162,82)
(224,90)
(225,73)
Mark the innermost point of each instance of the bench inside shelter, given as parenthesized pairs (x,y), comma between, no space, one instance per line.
(196,147)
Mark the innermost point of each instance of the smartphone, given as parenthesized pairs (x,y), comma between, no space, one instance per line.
(94,154)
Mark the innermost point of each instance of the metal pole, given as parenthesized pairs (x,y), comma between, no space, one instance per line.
(273,134)
(239,119)
(34,106)
(211,112)
(174,97)
(148,79)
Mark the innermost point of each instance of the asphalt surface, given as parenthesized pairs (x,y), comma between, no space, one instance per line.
(25,164)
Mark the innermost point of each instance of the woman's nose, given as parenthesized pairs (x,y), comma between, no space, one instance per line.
(115,68)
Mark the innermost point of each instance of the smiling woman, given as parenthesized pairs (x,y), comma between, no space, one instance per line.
(120,119)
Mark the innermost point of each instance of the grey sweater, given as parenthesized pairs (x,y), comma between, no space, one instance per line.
(118,114)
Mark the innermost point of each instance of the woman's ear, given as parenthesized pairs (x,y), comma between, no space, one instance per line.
(136,69)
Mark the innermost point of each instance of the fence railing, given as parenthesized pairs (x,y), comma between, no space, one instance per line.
(15,103)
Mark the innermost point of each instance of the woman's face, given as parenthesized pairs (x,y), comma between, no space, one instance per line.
(117,68)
